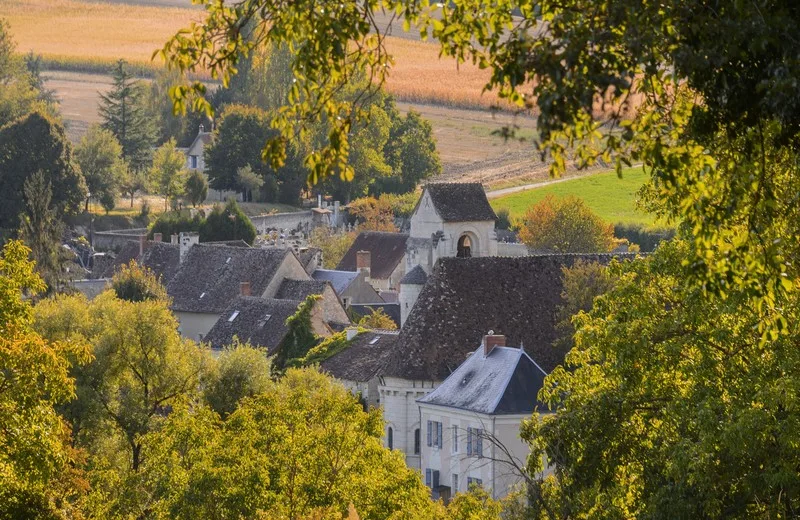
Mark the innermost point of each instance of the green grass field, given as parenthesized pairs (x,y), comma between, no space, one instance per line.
(611,197)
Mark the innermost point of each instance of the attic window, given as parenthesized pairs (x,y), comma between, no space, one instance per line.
(377,338)
(228,260)
(201,295)
(233,316)
(264,321)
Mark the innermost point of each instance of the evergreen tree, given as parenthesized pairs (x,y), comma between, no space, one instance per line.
(125,114)
(40,229)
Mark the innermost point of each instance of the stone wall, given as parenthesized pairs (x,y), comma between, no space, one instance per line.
(285,221)
(510,249)
(114,240)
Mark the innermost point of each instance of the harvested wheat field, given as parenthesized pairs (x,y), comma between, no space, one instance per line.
(84,36)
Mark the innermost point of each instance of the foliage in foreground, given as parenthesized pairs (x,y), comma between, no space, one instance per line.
(38,473)
(671,405)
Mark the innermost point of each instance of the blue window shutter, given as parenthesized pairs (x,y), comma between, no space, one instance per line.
(469,440)
(429,433)
(435,478)
(439,434)
(428,477)
(479,440)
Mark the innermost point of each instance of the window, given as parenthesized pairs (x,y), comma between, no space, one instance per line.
(476,481)
(475,442)
(416,441)
(193,160)
(455,439)
(455,483)
(390,438)
(233,316)
(428,477)
(435,434)
(464,247)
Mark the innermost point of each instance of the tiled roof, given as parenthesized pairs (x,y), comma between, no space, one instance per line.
(300,289)
(416,276)
(466,297)
(506,381)
(363,359)
(160,257)
(209,277)
(387,250)
(392,310)
(251,323)
(309,257)
(340,280)
(460,202)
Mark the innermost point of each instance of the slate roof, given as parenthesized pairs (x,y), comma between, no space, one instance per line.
(506,382)
(162,258)
(340,280)
(363,359)
(387,251)
(299,289)
(460,202)
(416,276)
(391,309)
(308,258)
(250,324)
(215,272)
(464,298)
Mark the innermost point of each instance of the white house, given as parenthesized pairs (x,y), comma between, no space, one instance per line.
(471,421)
(196,160)
(461,299)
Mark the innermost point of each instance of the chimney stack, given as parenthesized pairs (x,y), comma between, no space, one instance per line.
(244,288)
(142,241)
(173,239)
(363,262)
(351,332)
(492,340)
(202,128)
(187,240)
(157,237)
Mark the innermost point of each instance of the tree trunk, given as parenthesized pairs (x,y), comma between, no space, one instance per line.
(137,456)
(86,210)
(132,199)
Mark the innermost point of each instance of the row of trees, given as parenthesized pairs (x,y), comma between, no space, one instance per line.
(109,413)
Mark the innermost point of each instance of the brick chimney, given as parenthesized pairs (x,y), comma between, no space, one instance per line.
(363,261)
(157,237)
(244,288)
(142,242)
(492,340)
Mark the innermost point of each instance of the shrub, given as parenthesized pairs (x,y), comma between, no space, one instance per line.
(646,238)
(169,224)
(228,223)
(137,284)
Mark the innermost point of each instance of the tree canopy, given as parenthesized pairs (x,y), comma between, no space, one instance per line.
(702,97)
(36,142)
(99,156)
(565,225)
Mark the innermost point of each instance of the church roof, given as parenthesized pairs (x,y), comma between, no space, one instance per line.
(416,276)
(460,202)
(504,382)
(386,252)
(466,297)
